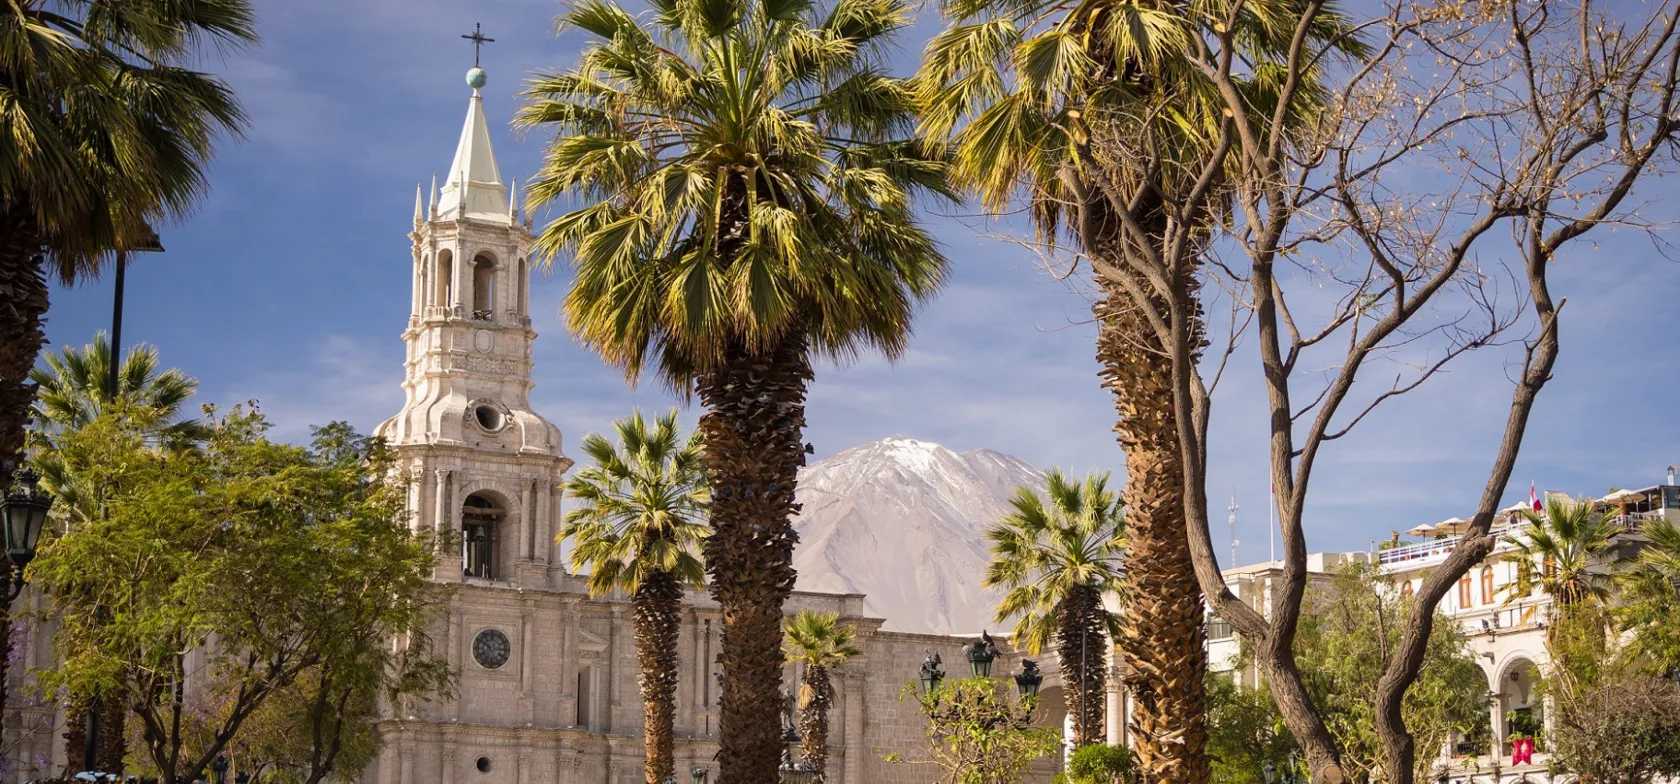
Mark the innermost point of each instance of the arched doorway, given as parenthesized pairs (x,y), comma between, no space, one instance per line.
(1523,707)
(481,519)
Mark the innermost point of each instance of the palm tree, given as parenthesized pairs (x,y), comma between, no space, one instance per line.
(74,391)
(819,642)
(749,173)
(636,530)
(1039,101)
(104,131)
(1650,590)
(1058,555)
(1565,553)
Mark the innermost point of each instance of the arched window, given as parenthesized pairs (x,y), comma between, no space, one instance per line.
(480,519)
(1487,585)
(443,280)
(1464,592)
(484,287)
(1405,590)
(524,277)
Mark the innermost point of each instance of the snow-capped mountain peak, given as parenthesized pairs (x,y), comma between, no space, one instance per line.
(900,520)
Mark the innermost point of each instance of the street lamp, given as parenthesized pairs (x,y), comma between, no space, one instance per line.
(148,245)
(931,673)
(25,508)
(1028,680)
(981,654)
(218,769)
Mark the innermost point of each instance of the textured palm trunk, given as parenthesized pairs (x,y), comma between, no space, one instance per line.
(813,719)
(1162,635)
(1082,647)
(656,604)
(23,302)
(753,431)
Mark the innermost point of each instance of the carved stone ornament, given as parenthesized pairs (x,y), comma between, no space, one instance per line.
(489,365)
(484,341)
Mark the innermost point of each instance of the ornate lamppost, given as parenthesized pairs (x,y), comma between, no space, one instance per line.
(25,510)
(932,675)
(1028,680)
(981,654)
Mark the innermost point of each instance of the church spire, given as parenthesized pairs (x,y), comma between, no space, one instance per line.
(474,188)
(419,216)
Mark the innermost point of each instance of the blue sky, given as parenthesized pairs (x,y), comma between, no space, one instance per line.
(290,286)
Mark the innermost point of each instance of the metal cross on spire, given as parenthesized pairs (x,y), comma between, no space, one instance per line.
(479,40)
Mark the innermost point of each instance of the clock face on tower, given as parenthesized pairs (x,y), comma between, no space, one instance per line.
(490,649)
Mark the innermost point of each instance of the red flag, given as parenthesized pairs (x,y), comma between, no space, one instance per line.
(1522,751)
(1533,497)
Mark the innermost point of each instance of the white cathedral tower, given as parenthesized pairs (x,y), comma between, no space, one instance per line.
(485,464)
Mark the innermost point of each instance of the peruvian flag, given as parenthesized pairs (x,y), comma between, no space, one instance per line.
(1533,497)
(1522,751)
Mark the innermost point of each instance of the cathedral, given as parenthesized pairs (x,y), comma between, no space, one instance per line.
(547,675)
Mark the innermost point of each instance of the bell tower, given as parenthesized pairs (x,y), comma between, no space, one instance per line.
(485,466)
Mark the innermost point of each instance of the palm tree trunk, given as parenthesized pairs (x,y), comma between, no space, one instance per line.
(813,720)
(753,431)
(656,603)
(23,301)
(1162,634)
(1082,646)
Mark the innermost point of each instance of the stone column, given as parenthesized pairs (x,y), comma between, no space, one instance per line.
(855,684)
(446,764)
(551,523)
(448,563)
(406,760)
(1114,719)
(527,519)
(1496,714)
(418,297)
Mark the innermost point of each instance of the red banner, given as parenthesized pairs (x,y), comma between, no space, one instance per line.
(1522,751)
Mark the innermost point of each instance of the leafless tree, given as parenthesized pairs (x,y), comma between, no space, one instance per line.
(1446,171)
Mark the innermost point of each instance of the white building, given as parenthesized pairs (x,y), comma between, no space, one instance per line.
(1507,637)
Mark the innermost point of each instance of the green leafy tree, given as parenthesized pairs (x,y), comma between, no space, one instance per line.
(1045,105)
(1343,647)
(819,642)
(240,567)
(1624,731)
(637,529)
(1057,556)
(978,733)
(749,173)
(1246,734)
(105,128)
(73,389)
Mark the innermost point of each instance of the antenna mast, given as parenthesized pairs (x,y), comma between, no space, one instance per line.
(1233,519)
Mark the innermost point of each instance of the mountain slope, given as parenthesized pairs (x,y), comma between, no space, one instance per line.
(900,521)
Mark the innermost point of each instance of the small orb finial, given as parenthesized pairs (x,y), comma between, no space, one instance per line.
(476,77)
